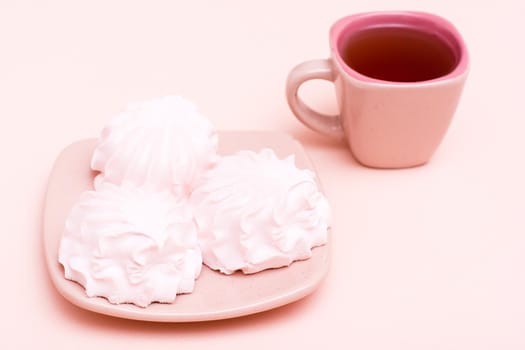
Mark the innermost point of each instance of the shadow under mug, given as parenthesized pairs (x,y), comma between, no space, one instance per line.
(398,78)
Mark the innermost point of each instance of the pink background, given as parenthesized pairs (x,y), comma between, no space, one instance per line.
(427,258)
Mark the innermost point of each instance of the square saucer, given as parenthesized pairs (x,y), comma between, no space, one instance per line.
(216,296)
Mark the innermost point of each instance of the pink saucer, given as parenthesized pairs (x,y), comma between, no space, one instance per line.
(216,296)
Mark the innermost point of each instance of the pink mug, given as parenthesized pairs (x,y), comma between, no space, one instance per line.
(398,78)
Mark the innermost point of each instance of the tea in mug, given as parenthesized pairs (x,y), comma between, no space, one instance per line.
(398,53)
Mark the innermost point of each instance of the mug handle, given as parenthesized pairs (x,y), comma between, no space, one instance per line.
(329,125)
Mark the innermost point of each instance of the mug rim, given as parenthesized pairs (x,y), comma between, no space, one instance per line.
(439,23)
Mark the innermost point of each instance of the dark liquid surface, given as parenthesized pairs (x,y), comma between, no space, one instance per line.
(400,54)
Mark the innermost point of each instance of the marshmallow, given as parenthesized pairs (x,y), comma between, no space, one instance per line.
(131,245)
(255,212)
(162,143)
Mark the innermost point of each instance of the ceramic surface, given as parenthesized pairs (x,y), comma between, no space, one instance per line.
(386,124)
(216,296)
